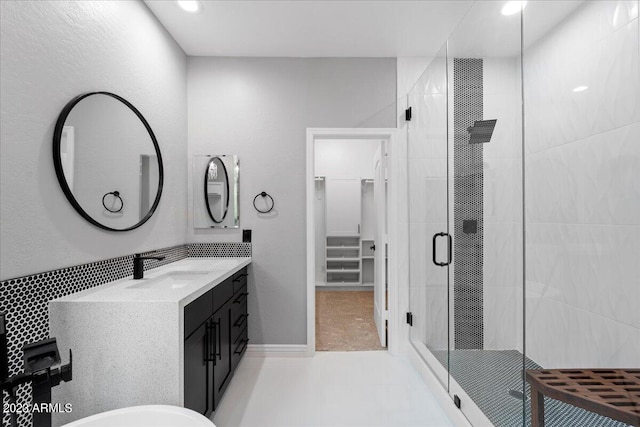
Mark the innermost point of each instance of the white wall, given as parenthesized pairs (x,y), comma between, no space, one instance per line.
(339,158)
(52,51)
(259,109)
(583,189)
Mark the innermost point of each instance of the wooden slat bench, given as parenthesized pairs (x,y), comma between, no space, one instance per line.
(614,393)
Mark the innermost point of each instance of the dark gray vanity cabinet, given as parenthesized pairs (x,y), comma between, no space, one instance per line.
(222,360)
(215,327)
(196,372)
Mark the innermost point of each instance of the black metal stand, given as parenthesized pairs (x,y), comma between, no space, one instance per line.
(39,358)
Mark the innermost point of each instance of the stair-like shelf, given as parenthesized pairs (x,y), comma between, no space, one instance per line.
(343,262)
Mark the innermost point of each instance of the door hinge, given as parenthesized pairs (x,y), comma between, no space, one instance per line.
(410,318)
(407,114)
(456,401)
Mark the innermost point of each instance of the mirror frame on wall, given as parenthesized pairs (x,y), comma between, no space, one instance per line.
(57,160)
(201,207)
(206,193)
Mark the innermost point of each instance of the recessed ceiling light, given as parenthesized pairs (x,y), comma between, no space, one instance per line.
(191,6)
(513,7)
(580,88)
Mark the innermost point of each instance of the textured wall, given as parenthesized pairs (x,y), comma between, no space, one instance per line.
(259,108)
(583,189)
(52,51)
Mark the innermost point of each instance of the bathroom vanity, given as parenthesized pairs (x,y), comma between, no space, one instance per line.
(174,337)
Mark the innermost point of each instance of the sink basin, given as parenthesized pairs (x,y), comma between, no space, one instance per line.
(169,280)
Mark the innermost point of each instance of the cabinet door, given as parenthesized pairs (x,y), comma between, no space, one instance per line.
(222,364)
(343,206)
(197,393)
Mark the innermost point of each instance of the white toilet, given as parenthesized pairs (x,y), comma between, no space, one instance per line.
(145,416)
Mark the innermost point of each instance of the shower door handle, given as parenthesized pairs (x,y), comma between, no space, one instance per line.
(449,251)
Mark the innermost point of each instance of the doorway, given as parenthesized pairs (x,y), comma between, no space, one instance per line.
(350,295)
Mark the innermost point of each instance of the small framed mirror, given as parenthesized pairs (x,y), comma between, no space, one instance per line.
(216,191)
(108,161)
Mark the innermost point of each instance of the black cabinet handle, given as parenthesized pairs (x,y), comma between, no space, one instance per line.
(212,354)
(218,351)
(207,347)
(450,249)
(241,298)
(237,279)
(241,320)
(244,344)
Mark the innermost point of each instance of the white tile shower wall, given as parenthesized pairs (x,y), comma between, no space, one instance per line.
(409,70)
(52,51)
(502,196)
(259,109)
(427,145)
(583,189)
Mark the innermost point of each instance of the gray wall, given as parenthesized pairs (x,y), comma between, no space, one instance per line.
(259,109)
(52,51)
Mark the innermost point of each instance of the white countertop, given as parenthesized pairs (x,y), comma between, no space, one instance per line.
(178,282)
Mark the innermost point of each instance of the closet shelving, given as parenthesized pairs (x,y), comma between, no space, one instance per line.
(367,261)
(349,228)
(343,260)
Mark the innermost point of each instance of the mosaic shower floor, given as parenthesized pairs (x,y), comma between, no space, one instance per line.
(489,375)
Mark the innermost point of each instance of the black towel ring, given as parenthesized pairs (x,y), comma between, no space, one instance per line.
(263,194)
(116,195)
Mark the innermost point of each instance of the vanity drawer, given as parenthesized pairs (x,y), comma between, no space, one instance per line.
(222,293)
(196,312)
(239,315)
(239,279)
(239,348)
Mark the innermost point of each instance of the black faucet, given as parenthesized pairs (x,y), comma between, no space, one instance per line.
(138,264)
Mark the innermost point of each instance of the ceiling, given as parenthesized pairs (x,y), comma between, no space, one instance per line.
(356,28)
(298,28)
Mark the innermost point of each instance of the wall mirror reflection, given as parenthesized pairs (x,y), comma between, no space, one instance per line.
(108,161)
(215,191)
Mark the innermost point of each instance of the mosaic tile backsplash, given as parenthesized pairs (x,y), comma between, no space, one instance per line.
(25,300)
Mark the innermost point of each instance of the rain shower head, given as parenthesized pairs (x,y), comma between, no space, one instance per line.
(481,131)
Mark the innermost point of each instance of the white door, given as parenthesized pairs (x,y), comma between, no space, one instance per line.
(343,206)
(380,239)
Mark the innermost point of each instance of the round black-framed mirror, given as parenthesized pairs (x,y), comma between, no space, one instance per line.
(211,180)
(123,124)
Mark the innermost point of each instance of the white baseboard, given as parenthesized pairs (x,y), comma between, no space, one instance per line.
(439,392)
(276,350)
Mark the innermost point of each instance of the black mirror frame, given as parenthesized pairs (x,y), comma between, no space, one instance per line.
(206,195)
(57,161)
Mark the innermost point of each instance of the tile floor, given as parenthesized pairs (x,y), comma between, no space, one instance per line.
(365,388)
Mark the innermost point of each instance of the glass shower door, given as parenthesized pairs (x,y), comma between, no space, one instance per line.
(485,216)
(428,241)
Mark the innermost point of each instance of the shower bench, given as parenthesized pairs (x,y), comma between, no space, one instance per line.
(614,393)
